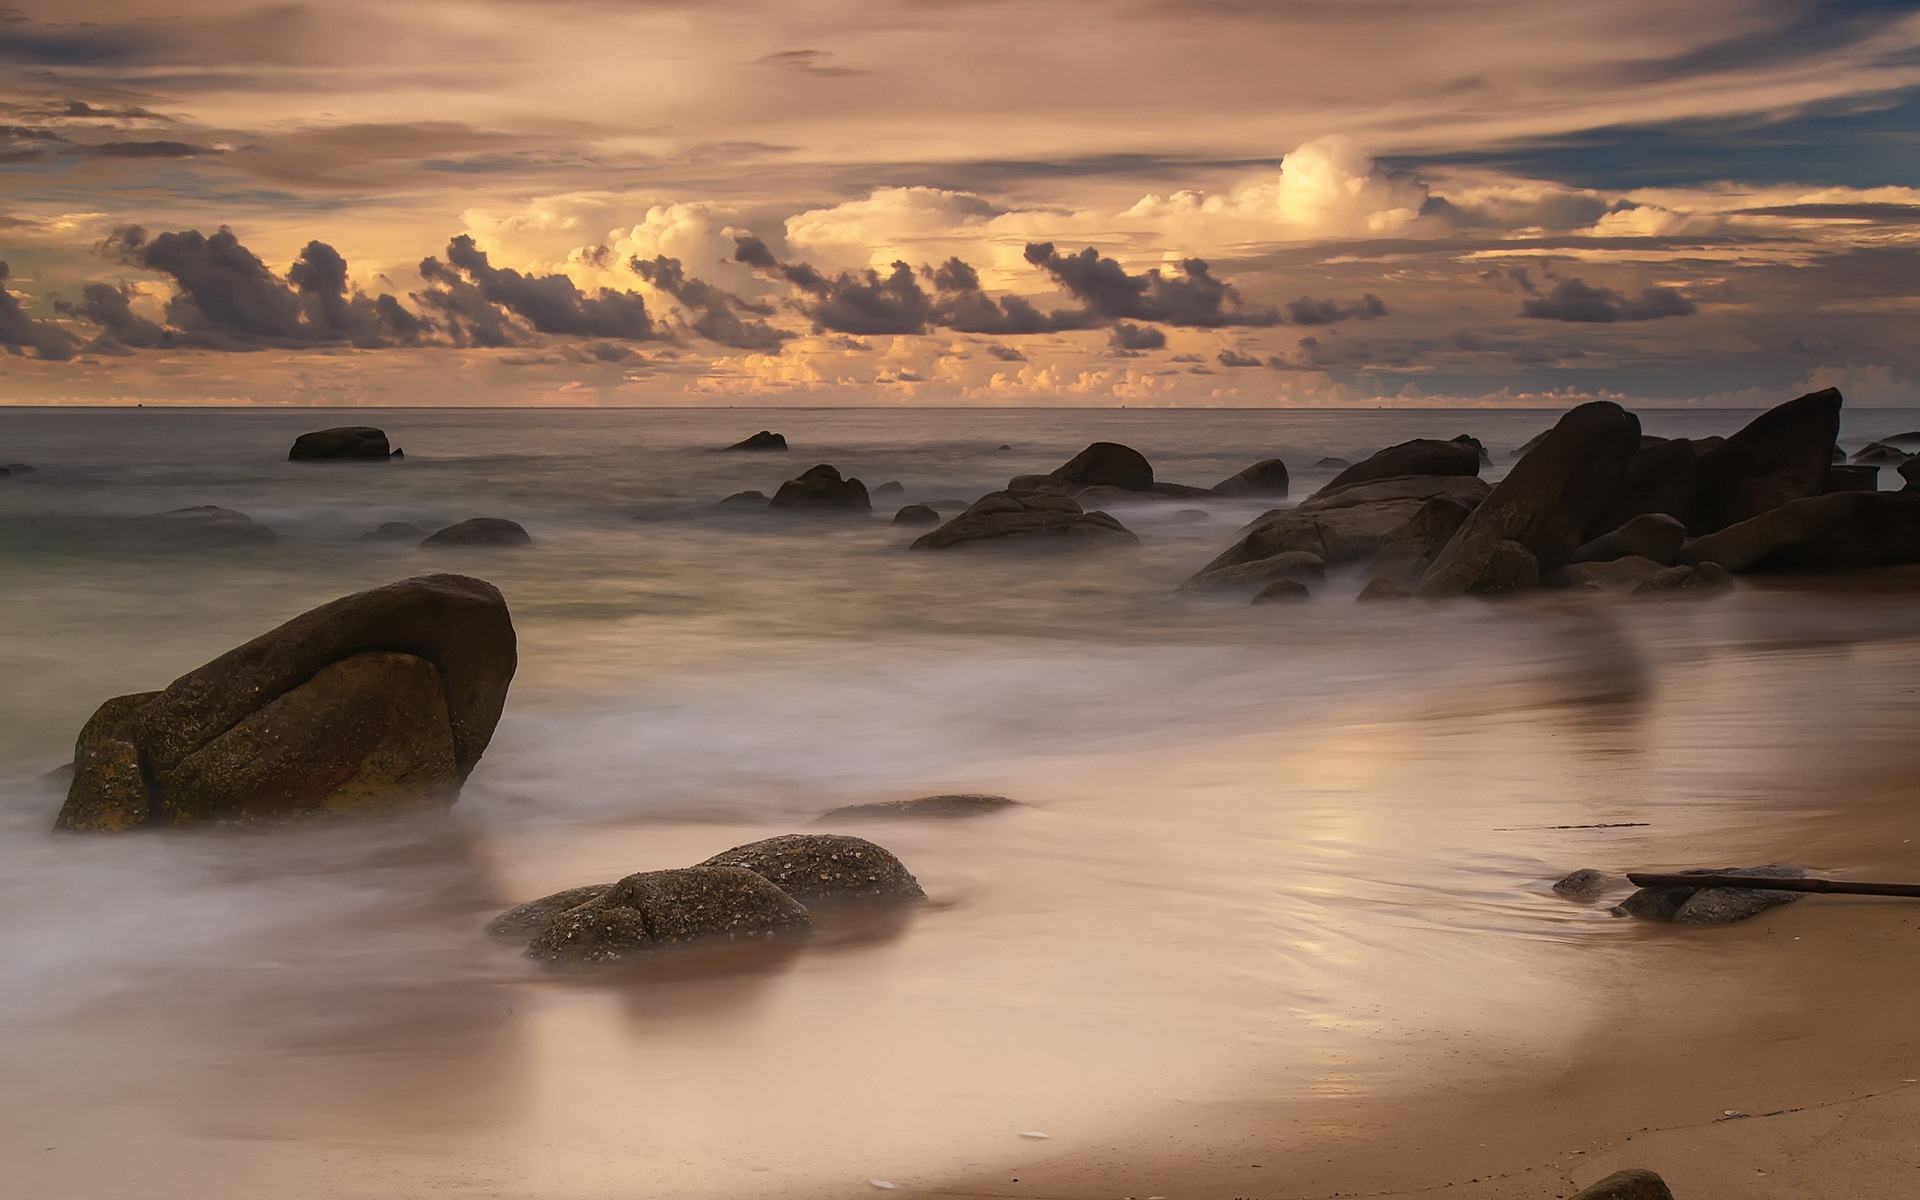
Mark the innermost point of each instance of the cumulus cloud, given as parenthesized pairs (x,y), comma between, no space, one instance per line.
(22,332)
(1193,297)
(716,311)
(550,303)
(1574,300)
(891,219)
(1005,353)
(1308,311)
(111,308)
(1328,187)
(1233,358)
(1127,337)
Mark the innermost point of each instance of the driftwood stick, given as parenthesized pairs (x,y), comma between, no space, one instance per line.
(1769,883)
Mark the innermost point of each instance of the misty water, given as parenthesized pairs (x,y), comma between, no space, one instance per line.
(1277,851)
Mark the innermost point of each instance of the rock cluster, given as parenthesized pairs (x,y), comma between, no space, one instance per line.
(377,702)
(758,891)
(1714,905)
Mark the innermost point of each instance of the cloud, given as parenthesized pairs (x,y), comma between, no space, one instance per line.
(1005,353)
(1233,358)
(1308,311)
(807,62)
(1573,300)
(717,311)
(1327,187)
(111,308)
(551,303)
(1193,297)
(44,338)
(1130,337)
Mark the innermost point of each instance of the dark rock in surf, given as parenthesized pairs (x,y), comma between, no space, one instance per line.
(1879,454)
(818,868)
(1509,567)
(1910,475)
(1190,516)
(930,808)
(1288,564)
(1552,501)
(916,514)
(1282,591)
(764,440)
(21,469)
(1780,456)
(346,443)
(1268,477)
(893,487)
(821,489)
(523,922)
(395,531)
(1384,587)
(1628,572)
(1421,456)
(1844,477)
(1106,464)
(744,502)
(1835,532)
(1331,463)
(1404,558)
(1651,535)
(653,911)
(1584,884)
(1711,906)
(1636,1183)
(381,701)
(1026,517)
(206,527)
(1349,523)
(1660,478)
(1698,577)
(480,531)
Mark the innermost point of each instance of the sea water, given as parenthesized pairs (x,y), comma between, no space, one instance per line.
(1278,850)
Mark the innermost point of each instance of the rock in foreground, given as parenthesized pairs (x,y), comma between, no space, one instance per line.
(1635,1183)
(480,531)
(821,489)
(1268,477)
(824,867)
(380,701)
(361,443)
(1025,517)
(1711,906)
(659,910)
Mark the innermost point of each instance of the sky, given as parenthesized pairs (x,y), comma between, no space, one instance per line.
(1239,203)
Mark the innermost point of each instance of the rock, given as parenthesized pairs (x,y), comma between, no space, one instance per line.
(379,701)
(1710,906)
(824,867)
(1551,502)
(950,504)
(1879,454)
(21,469)
(395,531)
(1101,495)
(1268,477)
(1780,456)
(1281,591)
(1332,464)
(1660,478)
(932,808)
(1909,438)
(1583,884)
(916,514)
(1348,524)
(1107,464)
(1910,475)
(348,442)
(523,922)
(1700,577)
(1632,1184)
(1421,456)
(1530,443)
(744,502)
(763,440)
(1288,564)
(1405,556)
(1509,567)
(1617,573)
(1478,446)
(663,910)
(1190,516)
(1650,535)
(480,531)
(892,487)
(820,489)
(398,455)
(1384,587)
(1025,517)
(1842,477)
(206,527)
(1836,532)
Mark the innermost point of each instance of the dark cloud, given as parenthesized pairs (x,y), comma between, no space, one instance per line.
(1573,300)
(146,150)
(717,311)
(1882,214)
(962,305)
(1308,311)
(1193,297)
(1128,336)
(470,318)
(1233,358)
(551,303)
(111,309)
(808,62)
(17,329)
(1005,353)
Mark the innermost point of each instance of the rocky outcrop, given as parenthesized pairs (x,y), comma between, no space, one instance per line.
(1347,524)
(1836,532)
(1701,577)
(1843,477)
(1288,564)
(347,443)
(1614,575)
(1584,884)
(764,440)
(1879,454)
(916,514)
(1711,906)
(1554,500)
(395,531)
(652,911)
(480,531)
(1268,477)
(1282,591)
(1781,456)
(1660,478)
(1635,1183)
(1421,456)
(377,702)
(205,527)
(892,487)
(1404,558)
(1651,535)
(821,489)
(744,502)
(1026,517)
(817,868)
(929,808)
(1106,464)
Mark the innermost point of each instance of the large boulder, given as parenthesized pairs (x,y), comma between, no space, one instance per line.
(204,527)
(1553,500)
(1879,454)
(1106,464)
(916,514)
(1835,532)
(821,489)
(1346,524)
(1780,456)
(1288,564)
(347,442)
(1846,477)
(1635,1183)
(764,440)
(1612,575)
(480,531)
(1660,478)
(1421,456)
(1696,578)
(1651,535)
(663,910)
(817,868)
(1025,517)
(1404,558)
(1268,477)
(379,701)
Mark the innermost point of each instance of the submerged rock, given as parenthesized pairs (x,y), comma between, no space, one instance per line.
(1583,884)
(1711,906)
(522,922)
(205,527)
(933,808)
(1879,454)
(396,531)
(376,702)
(1268,477)
(892,487)
(1282,591)
(1349,523)
(764,440)
(744,502)
(824,867)
(1635,1183)
(662,910)
(347,442)
(1049,517)
(1700,577)
(480,531)
(1289,564)
(916,514)
(1421,456)
(821,489)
